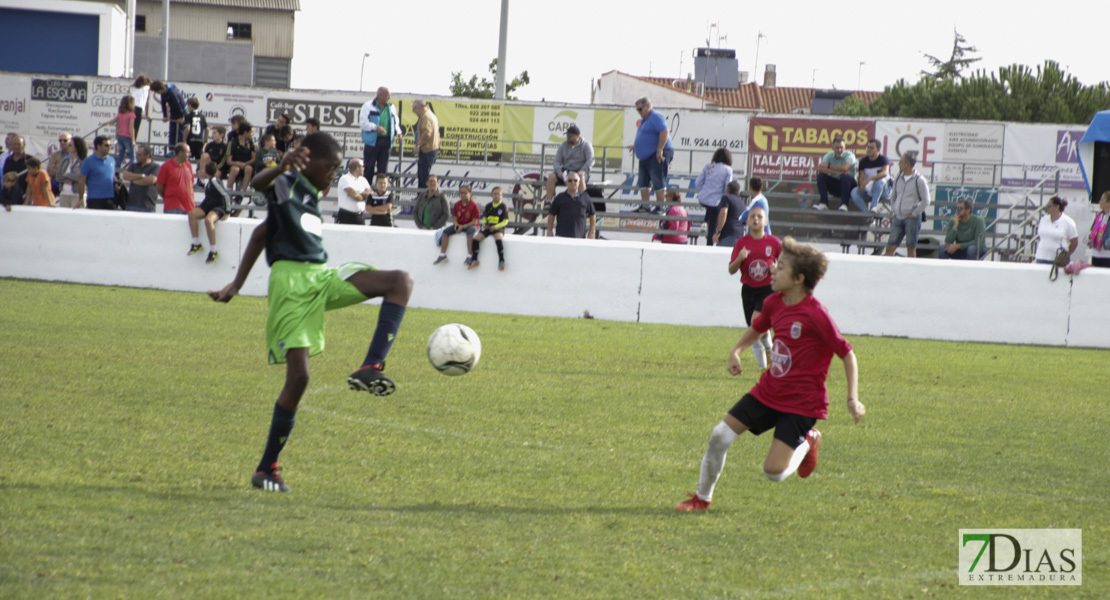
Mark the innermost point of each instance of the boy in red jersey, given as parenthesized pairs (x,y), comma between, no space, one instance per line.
(790,395)
(754,255)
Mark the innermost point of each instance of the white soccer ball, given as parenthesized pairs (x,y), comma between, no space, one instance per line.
(454,349)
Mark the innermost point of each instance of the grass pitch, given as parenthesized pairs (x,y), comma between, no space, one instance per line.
(132,420)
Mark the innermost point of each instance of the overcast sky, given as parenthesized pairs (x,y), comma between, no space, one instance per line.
(414,47)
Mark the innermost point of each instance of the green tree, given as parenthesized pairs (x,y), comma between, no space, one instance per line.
(1015,94)
(473,88)
(953,67)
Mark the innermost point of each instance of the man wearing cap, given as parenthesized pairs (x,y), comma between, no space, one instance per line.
(427,141)
(575,155)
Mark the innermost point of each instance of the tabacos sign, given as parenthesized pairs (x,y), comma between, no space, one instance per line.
(1021,557)
(791,148)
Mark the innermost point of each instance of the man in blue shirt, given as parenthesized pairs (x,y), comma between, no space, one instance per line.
(97,177)
(654,150)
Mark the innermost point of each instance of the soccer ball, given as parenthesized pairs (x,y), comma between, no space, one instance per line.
(454,349)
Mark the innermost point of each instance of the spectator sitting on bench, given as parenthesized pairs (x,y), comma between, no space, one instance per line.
(240,156)
(836,173)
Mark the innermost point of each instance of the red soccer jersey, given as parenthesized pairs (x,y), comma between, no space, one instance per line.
(806,338)
(466,214)
(755,271)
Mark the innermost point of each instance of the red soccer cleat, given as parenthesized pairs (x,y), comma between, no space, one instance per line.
(809,463)
(693,504)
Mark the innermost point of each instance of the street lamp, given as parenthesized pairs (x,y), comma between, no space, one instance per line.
(859,75)
(363,70)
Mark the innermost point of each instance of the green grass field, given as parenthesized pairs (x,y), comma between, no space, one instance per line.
(132,420)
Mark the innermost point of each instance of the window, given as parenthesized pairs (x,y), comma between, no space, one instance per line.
(238,31)
(140,23)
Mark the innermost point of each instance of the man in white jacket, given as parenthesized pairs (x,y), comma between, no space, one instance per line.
(911,198)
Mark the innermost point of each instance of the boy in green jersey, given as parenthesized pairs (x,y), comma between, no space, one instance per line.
(302,288)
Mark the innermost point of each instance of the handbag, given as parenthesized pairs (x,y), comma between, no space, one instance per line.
(1061,260)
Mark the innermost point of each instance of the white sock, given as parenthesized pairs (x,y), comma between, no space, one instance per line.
(795,460)
(760,355)
(196,241)
(441,255)
(212,248)
(714,459)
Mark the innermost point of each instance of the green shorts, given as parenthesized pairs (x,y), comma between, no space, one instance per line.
(299,295)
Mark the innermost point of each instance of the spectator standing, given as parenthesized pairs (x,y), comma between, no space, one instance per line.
(173,109)
(311,125)
(97,182)
(712,185)
(964,237)
(430,209)
(575,155)
(8,141)
(70,173)
(142,174)
(911,198)
(38,184)
(175,184)
(755,187)
(494,219)
(1056,231)
(729,227)
(140,91)
(874,179)
(466,215)
(571,214)
(1099,238)
(54,163)
(426,147)
(380,203)
(125,130)
(675,210)
(11,194)
(654,150)
(196,129)
(16,161)
(353,192)
(836,173)
(380,126)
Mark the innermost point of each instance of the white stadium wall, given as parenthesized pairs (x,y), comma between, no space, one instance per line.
(620,281)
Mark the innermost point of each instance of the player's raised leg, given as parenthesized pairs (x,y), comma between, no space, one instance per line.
(394,288)
(713,462)
(268,474)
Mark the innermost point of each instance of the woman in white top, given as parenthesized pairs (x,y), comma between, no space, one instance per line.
(711,185)
(140,91)
(1056,231)
(1099,239)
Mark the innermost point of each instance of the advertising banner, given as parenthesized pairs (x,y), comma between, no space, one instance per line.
(953,153)
(1034,153)
(785,148)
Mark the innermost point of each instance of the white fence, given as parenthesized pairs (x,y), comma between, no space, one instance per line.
(621,281)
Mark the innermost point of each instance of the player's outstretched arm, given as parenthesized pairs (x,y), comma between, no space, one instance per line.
(254,249)
(851,375)
(294,160)
(748,338)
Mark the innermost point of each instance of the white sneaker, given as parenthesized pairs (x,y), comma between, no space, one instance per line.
(820,207)
(843,208)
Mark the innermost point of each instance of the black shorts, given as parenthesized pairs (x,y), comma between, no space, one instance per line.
(753,298)
(209,208)
(758,417)
(350,217)
(196,149)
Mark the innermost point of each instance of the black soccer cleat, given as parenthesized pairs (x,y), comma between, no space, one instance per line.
(270,480)
(370,379)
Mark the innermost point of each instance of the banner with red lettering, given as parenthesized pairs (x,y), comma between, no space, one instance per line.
(791,148)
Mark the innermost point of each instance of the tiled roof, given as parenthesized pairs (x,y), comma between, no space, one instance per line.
(752,96)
